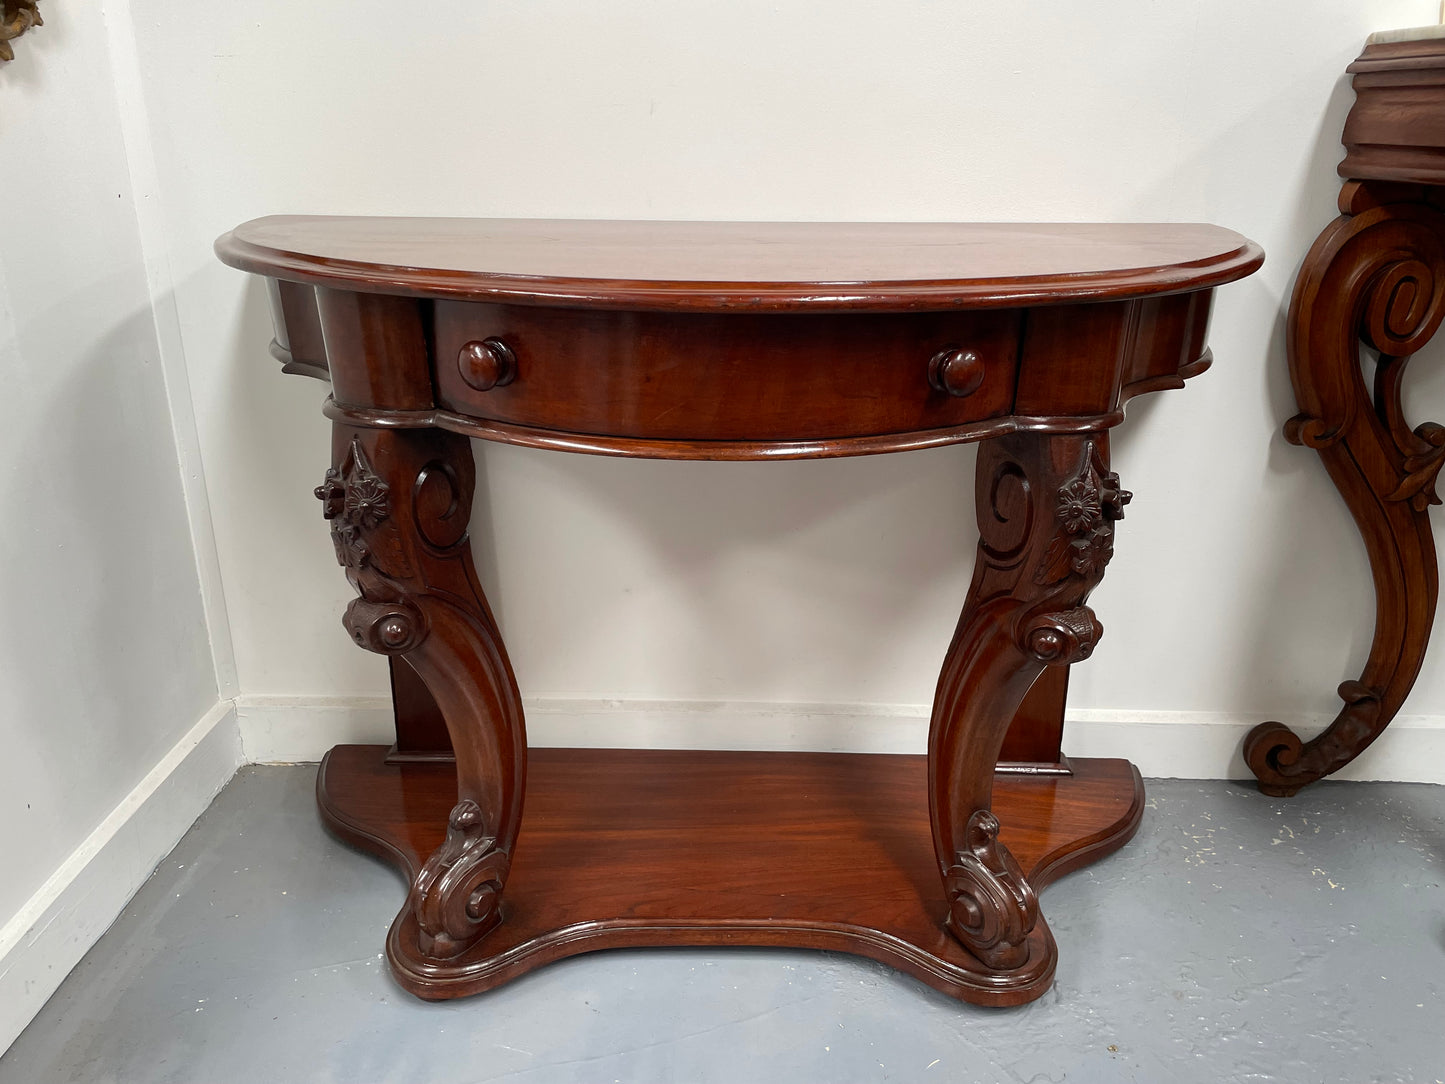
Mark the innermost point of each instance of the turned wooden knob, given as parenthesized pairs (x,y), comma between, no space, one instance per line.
(955,371)
(487,364)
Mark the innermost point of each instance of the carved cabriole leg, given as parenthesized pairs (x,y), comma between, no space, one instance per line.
(1046,512)
(1377,273)
(399,503)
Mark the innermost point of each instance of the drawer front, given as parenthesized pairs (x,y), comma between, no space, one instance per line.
(706,376)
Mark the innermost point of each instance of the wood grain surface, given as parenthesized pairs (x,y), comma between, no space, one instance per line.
(625,847)
(816,266)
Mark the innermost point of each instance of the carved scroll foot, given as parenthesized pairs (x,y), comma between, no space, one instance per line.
(399,504)
(457,896)
(1046,512)
(991,907)
(1375,274)
(1283,763)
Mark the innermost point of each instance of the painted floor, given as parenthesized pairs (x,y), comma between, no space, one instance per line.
(1238,938)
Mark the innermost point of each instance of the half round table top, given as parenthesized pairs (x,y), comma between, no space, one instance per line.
(758,266)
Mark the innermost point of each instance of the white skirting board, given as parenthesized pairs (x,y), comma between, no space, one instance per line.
(1164,744)
(57,925)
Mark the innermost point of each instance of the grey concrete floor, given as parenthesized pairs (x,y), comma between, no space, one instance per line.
(1238,938)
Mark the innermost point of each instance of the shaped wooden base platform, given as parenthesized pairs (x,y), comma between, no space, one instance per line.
(625,847)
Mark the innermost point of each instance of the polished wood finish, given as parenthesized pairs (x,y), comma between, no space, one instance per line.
(626,374)
(1046,511)
(399,504)
(731,341)
(1068,369)
(1395,131)
(1035,738)
(742,266)
(815,850)
(1376,274)
(421,730)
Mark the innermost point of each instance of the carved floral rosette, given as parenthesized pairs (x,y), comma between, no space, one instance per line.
(357,502)
(1086,508)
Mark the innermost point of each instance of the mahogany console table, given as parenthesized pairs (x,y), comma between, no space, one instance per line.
(730,341)
(1377,274)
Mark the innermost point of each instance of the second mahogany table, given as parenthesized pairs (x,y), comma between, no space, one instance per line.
(1374,277)
(729,341)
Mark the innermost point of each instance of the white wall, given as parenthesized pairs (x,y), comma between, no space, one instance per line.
(1241,591)
(108,682)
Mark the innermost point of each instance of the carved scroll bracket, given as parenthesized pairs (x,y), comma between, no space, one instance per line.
(1374,278)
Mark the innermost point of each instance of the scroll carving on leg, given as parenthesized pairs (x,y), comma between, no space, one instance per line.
(1046,512)
(1377,275)
(399,504)
(457,894)
(991,907)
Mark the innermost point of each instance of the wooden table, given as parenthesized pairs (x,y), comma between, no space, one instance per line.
(1377,274)
(731,341)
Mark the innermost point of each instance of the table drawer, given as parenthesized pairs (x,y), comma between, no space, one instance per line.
(709,376)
